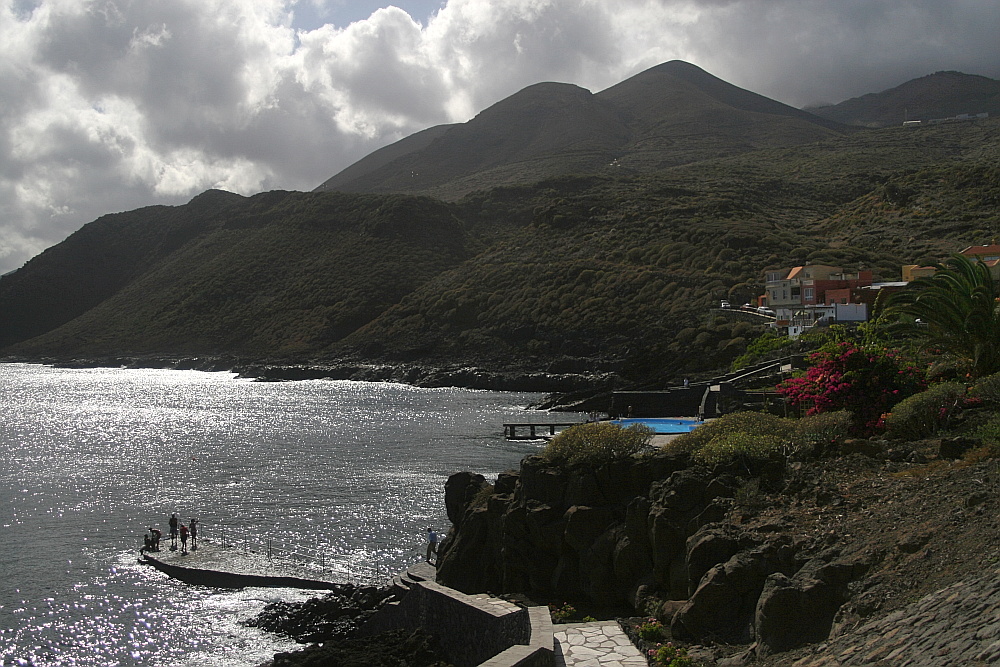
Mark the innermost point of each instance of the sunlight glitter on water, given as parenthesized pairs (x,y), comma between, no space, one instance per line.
(91,458)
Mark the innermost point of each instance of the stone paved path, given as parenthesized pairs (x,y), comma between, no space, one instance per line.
(958,625)
(596,644)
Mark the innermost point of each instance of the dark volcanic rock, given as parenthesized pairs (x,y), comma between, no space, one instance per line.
(399,648)
(335,615)
(459,491)
(723,606)
(797,610)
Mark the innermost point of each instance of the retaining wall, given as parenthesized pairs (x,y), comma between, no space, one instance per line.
(474,630)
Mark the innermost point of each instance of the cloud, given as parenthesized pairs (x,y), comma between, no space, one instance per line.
(110,105)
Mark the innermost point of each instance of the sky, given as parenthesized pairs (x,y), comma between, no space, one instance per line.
(112,105)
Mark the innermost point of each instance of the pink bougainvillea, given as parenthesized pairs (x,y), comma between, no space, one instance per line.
(864,380)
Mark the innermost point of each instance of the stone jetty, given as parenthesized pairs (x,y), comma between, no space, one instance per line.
(211,565)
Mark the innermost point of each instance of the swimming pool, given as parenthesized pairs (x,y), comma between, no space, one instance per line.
(662,424)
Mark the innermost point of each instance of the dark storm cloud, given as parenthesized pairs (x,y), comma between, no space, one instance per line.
(109,105)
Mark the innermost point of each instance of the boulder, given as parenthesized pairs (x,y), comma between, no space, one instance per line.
(459,491)
(585,524)
(798,610)
(723,606)
(706,549)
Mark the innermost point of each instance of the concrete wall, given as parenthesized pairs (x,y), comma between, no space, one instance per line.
(473,630)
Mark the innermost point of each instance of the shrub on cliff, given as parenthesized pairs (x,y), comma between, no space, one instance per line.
(755,435)
(759,435)
(923,415)
(824,427)
(987,390)
(596,444)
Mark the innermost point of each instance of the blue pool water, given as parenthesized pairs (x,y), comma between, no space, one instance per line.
(663,425)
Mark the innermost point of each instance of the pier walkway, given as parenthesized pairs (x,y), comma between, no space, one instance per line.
(593,644)
(211,565)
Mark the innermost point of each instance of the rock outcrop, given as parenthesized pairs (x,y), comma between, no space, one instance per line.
(650,535)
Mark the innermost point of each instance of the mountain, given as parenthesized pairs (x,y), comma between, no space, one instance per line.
(938,95)
(277,274)
(611,269)
(672,114)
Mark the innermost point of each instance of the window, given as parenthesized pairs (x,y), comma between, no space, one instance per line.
(808,293)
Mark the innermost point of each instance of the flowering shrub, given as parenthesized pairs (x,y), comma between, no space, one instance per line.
(987,390)
(561,614)
(651,630)
(668,655)
(864,380)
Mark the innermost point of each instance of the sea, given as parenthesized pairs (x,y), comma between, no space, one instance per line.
(343,476)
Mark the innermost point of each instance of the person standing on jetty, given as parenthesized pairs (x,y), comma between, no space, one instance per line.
(184,539)
(194,533)
(432,544)
(173,532)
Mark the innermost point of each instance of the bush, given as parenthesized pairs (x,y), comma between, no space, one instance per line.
(764,344)
(989,433)
(597,444)
(562,613)
(923,415)
(482,497)
(987,390)
(652,630)
(750,497)
(734,446)
(668,655)
(755,435)
(822,428)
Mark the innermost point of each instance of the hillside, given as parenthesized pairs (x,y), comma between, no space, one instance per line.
(614,270)
(278,274)
(672,114)
(572,273)
(938,95)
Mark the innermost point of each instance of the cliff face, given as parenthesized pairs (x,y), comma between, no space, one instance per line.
(593,535)
(633,536)
(776,553)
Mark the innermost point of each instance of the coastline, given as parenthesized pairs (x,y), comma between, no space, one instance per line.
(570,391)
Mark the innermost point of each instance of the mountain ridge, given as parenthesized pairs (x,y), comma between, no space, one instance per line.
(654,119)
(939,95)
(613,269)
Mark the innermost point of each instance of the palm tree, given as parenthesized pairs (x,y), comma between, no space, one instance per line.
(954,311)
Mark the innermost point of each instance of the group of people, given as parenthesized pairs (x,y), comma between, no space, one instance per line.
(151,541)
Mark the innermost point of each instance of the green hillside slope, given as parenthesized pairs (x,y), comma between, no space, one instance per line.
(581,272)
(279,274)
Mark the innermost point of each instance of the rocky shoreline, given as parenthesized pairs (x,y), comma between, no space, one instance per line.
(859,552)
(747,563)
(567,390)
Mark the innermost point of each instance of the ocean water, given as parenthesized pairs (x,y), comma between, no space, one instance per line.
(351,473)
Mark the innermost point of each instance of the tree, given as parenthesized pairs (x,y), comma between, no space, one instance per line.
(953,312)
